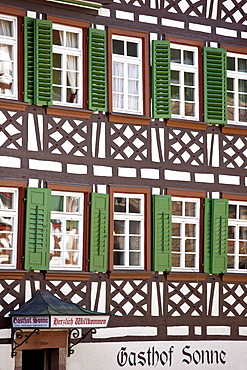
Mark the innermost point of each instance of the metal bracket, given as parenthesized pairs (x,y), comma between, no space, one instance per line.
(18,334)
(74,338)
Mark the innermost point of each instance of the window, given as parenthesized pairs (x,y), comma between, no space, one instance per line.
(185,233)
(128,249)
(237,236)
(184,82)
(8,57)
(67,65)
(127,89)
(236,88)
(8,226)
(66,230)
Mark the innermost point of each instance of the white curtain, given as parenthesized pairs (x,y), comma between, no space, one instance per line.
(133,87)
(5,59)
(72,65)
(118,85)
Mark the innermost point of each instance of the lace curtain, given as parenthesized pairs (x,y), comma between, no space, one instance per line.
(5,59)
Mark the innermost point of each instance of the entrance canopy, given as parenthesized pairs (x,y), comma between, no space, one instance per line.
(45,310)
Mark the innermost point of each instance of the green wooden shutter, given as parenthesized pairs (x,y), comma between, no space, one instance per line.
(37,61)
(37,235)
(99,232)
(97,98)
(29,59)
(215,236)
(162,233)
(215,104)
(161,89)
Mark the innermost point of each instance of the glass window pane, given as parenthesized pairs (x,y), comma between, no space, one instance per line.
(176,56)
(230,114)
(117,69)
(243,212)
(190,109)
(120,205)
(133,88)
(135,243)
(119,227)
(231,246)
(190,230)
(118,47)
(72,226)
(190,245)
(231,63)
(189,57)
(134,205)
(133,71)
(242,86)
(175,92)
(119,242)
(243,247)
(57,60)
(57,203)
(231,232)
(72,64)
(58,37)
(242,263)
(176,229)
(118,85)
(6,28)
(135,227)
(242,65)
(190,260)
(71,95)
(133,102)
(71,258)
(189,94)
(71,242)
(132,49)
(56,226)
(135,259)
(6,224)
(119,258)
(57,77)
(177,208)
(190,209)
(189,79)
(72,79)
(242,100)
(57,93)
(230,262)
(6,200)
(232,213)
(175,77)
(243,232)
(72,40)
(243,115)
(176,244)
(5,256)
(175,260)
(72,204)
(230,99)
(230,84)
(175,107)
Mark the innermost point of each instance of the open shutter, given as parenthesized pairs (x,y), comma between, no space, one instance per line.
(29,60)
(219,235)
(162,233)
(207,235)
(37,61)
(215,104)
(43,62)
(161,89)
(97,99)
(99,232)
(37,235)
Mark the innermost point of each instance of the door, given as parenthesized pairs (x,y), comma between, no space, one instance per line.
(40,359)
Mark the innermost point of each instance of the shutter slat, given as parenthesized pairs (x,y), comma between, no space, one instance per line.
(97,91)
(162,254)
(161,90)
(37,234)
(99,232)
(28,59)
(215,86)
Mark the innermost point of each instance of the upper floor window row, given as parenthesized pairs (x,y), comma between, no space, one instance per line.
(55,67)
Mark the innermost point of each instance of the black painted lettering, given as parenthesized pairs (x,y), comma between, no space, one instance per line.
(149,356)
(196,357)
(141,357)
(163,358)
(170,355)
(122,357)
(222,357)
(155,357)
(132,359)
(216,357)
(187,354)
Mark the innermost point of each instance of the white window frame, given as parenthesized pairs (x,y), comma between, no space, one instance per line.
(64,216)
(236,76)
(182,220)
(236,223)
(12,41)
(127,60)
(131,217)
(182,68)
(64,51)
(14,214)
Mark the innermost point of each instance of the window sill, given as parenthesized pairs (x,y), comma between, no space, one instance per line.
(237,277)
(69,112)
(136,274)
(11,274)
(128,118)
(12,105)
(186,276)
(67,275)
(230,129)
(197,125)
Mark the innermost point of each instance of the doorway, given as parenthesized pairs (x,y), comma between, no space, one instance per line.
(40,359)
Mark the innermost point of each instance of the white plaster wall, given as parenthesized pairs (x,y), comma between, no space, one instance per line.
(6,362)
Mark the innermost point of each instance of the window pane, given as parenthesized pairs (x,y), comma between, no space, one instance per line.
(230,262)
(189,260)
(71,95)
(190,245)
(120,205)
(176,229)
(175,92)
(132,49)
(6,28)
(175,77)
(57,77)
(230,114)
(243,212)
(57,203)
(230,99)
(71,258)
(232,213)
(190,109)
(230,84)
(56,227)
(117,100)
(57,93)
(190,230)
(231,232)
(243,232)
(118,47)
(176,260)
(133,88)
(231,63)
(119,258)
(177,208)
(58,37)
(243,115)
(190,209)
(134,242)
(117,69)
(6,224)
(119,227)
(57,60)
(189,57)
(243,262)
(119,242)
(242,86)
(135,258)
(175,107)
(242,100)
(133,102)
(135,227)
(176,244)
(189,79)
(5,256)
(189,94)
(231,246)
(72,40)
(175,56)
(133,71)
(71,242)
(242,65)
(72,204)
(72,226)
(134,205)
(6,200)
(72,65)
(243,247)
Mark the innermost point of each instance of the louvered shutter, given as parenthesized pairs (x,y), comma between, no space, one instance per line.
(97,98)
(37,61)
(43,63)
(215,104)
(99,232)
(37,234)
(207,235)
(29,59)
(219,235)
(161,89)
(162,232)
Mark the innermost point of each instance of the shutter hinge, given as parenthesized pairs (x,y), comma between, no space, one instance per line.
(89,203)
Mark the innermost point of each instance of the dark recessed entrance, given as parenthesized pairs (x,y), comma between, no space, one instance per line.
(41,359)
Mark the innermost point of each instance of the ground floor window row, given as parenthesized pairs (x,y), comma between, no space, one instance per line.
(126,229)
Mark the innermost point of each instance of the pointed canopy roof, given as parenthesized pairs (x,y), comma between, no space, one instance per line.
(45,303)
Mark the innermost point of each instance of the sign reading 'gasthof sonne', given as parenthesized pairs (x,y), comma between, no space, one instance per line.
(30,322)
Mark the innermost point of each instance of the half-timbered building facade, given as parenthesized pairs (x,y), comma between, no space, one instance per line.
(123,152)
